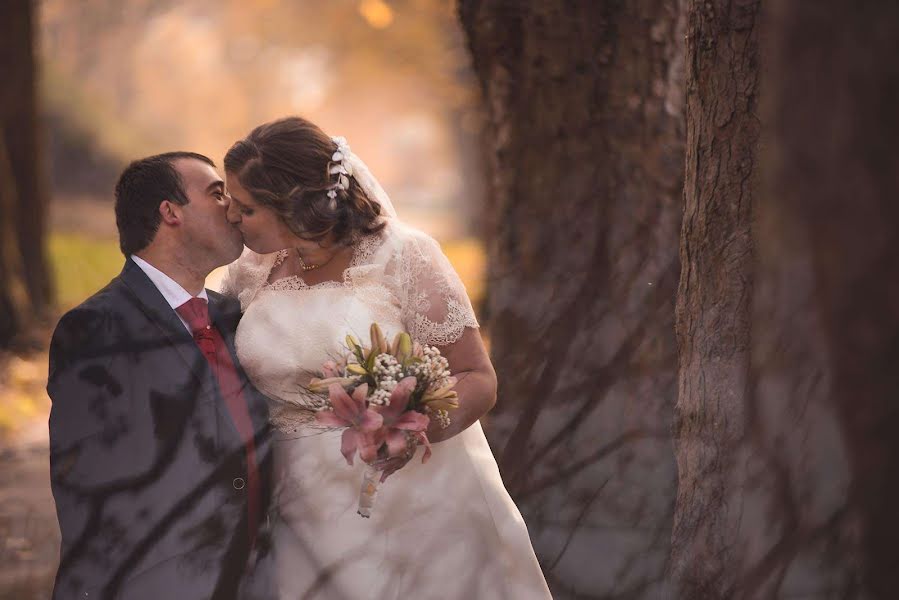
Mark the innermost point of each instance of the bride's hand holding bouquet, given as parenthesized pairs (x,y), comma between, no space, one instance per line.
(384,396)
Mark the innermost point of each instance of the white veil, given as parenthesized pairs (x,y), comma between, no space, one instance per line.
(431,296)
(359,171)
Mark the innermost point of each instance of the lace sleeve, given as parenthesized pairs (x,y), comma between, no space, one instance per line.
(228,286)
(246,276)
(434,304)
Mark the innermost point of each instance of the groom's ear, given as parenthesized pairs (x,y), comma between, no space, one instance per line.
(170,213)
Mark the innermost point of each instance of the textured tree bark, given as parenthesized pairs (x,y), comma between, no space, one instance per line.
(584,103)
(787,467)
(715,294)
(23,202)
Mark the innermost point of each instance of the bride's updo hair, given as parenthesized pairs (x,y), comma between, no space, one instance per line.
(285,165)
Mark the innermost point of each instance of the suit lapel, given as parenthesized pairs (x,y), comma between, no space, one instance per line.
(223,314)
(151,301)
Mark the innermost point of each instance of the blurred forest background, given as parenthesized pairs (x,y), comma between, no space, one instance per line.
(102,82)
(676,218)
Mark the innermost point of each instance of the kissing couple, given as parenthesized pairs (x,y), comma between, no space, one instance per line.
(184,462)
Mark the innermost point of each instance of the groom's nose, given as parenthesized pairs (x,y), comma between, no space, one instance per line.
(233,213)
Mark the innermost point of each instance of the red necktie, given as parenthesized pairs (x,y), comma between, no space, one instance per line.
(196,312)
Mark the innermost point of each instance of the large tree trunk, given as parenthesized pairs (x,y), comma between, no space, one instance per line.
(787,469)
(584,103)
(833,210)
(24,278)
(715,293)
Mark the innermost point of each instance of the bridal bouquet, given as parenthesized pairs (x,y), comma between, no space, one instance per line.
(384,396)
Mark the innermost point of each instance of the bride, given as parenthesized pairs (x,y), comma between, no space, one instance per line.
(327,256)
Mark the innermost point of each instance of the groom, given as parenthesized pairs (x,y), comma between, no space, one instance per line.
(159,448)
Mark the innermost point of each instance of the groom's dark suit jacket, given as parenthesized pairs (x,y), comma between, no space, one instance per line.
(147,468)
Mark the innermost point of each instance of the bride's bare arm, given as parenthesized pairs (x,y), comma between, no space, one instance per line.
(435,308)
(470,364)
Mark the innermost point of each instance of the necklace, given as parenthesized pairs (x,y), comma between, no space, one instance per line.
(306,267)
(283,254)
(309,267)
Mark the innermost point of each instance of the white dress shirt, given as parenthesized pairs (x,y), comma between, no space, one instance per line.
(173,293)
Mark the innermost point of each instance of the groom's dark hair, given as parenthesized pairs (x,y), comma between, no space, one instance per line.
(142,186)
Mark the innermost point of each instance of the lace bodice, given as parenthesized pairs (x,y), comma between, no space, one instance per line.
(398,278)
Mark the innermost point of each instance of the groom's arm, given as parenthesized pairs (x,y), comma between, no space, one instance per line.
(88,419)
(88,391)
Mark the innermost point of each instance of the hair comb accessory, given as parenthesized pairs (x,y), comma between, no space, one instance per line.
(340,167)
(345,164)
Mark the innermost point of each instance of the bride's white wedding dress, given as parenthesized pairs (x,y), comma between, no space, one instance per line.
(444,530)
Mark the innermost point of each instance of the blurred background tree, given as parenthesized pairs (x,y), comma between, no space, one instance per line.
(777,396)
(787,314)
(585,141)
(25,290)
(820,448)
(121,79)
(127,79)
(149,76)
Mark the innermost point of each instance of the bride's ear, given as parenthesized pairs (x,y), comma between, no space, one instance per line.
(170,213)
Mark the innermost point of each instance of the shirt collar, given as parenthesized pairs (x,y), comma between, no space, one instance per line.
(173,293)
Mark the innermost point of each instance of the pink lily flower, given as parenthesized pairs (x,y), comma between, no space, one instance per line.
(399,422)
(359,422)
